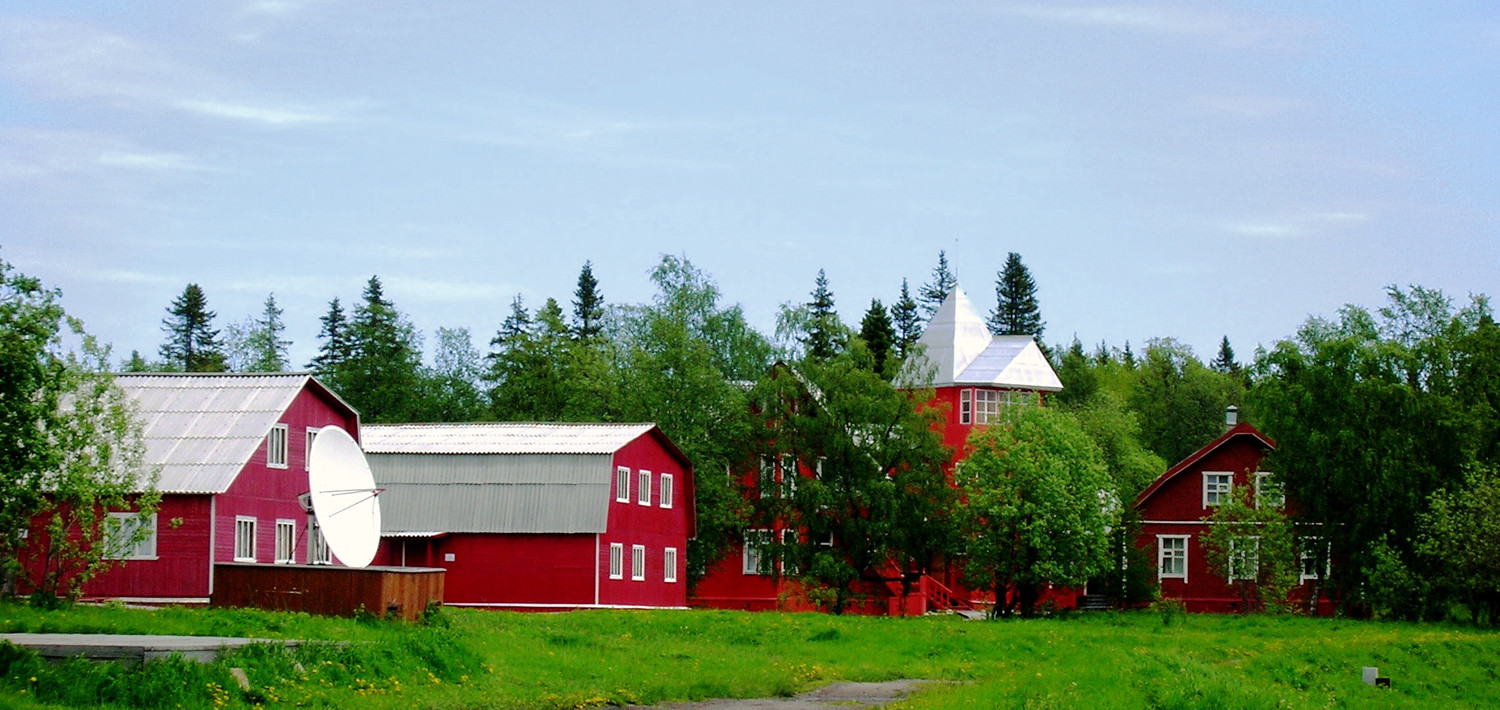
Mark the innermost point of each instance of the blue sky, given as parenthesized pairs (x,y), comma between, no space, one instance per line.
(1183,169)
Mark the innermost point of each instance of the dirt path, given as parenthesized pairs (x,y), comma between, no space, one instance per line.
(839,695)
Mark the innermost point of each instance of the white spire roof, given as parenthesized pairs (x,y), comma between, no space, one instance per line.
(958,343)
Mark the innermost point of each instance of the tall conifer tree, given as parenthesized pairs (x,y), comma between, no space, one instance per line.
(907,323)
(267,348)
(192,342)
(385,367)
(335,349)
(933,293)
(879,335)
(588,305)
(824,331)
(1016,310)
(1224,362)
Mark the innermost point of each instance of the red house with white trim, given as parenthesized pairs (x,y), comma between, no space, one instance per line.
(973,374)
(232,454)
(1172,509)
(534,516)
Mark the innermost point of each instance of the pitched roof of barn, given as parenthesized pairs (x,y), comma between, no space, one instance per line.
(202,429)
(1242,429)
(958,342)
(504,477)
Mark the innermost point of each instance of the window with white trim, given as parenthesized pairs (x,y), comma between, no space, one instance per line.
(317,545)
(986,406)
(1216,487)
(1244,558)
(286,541)
(1171,557)
(244,539)
(669,564)
(1268,490)
(1312,551)
(120,537)
(616,560)
(755,542)
(767,475)
(622,485)
(643,487)
(276,446)
(638,563)
(312,435)
(792,538)
(1020,398)
(789,475)
(666,490)
(966,406)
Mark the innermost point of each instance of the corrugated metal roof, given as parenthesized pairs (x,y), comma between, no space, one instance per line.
(500,438)
(493,493)
(201,429)
(958,343)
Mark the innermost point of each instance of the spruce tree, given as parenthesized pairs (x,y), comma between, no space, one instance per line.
(1016,310)
(824,331)
(588,305)
(335,349)
(907,323)
(1225,361)
(192,343)
(384,369)
(267,348)
(879,335)
(936,291)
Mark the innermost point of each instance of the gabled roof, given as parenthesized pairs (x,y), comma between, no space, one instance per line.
(959,344)
(504,477)
(1243,429)
(202,429)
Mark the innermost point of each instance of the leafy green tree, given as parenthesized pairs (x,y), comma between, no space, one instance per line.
(1458,535)
(529,373)
(1252,545)
(135,363)
(384,368)
(451,391)
(588,305)
(934,292)
(878,494)
(907,323)
(1039,508)
(879,336)
(192,342)
(1076,371)
(1016,310)
(1180,402)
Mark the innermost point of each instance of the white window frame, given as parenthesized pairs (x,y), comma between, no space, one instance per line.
(286,542)
(244,538)
(1248,559)
(643,487)
(1217,487)
(767,472)
(638,563)
(667,492)
(789,476)
(276,446)
(622,484)
(318,552)
(616,560)
(755,540)
(966,406)
(1162,556)
(986,406)
(121,526)
(1308,555)
(1268,490)
(312,435)
(669,565)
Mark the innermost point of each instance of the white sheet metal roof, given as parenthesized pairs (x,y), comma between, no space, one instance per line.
(500,438)
(959,344)
(201,429)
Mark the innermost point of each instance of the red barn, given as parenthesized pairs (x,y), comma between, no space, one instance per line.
(537,516)
(232,451)
(1172,509)
(973,374)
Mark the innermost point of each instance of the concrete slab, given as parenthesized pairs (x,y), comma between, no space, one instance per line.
(848,696)
(131,647)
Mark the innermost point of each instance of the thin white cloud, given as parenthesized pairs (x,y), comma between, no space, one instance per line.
(27,154)
(157,162)
(1266,230)
(254,114)
(1295,226)
(1223,28)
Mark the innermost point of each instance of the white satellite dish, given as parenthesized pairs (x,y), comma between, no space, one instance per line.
(345,501)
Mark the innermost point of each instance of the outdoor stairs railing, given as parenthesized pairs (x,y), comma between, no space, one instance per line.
(941,597)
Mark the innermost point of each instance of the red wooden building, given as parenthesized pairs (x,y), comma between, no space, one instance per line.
(537,516)
(232,451)
(1173,507)
(973,375)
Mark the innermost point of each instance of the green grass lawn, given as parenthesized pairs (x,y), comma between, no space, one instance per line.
(471,659)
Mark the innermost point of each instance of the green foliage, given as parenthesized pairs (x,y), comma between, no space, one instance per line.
(31,324)
(1458,539)
(335,349)
(934,292)
(588,305)
(1039,507)
(906,322)
(1016,309)
(451,386)
(1224,362)
(1251,543)
(192,343)
(879,492)
(384,362)
(824,335)
(267,348)
(879,336)
(1179,402)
